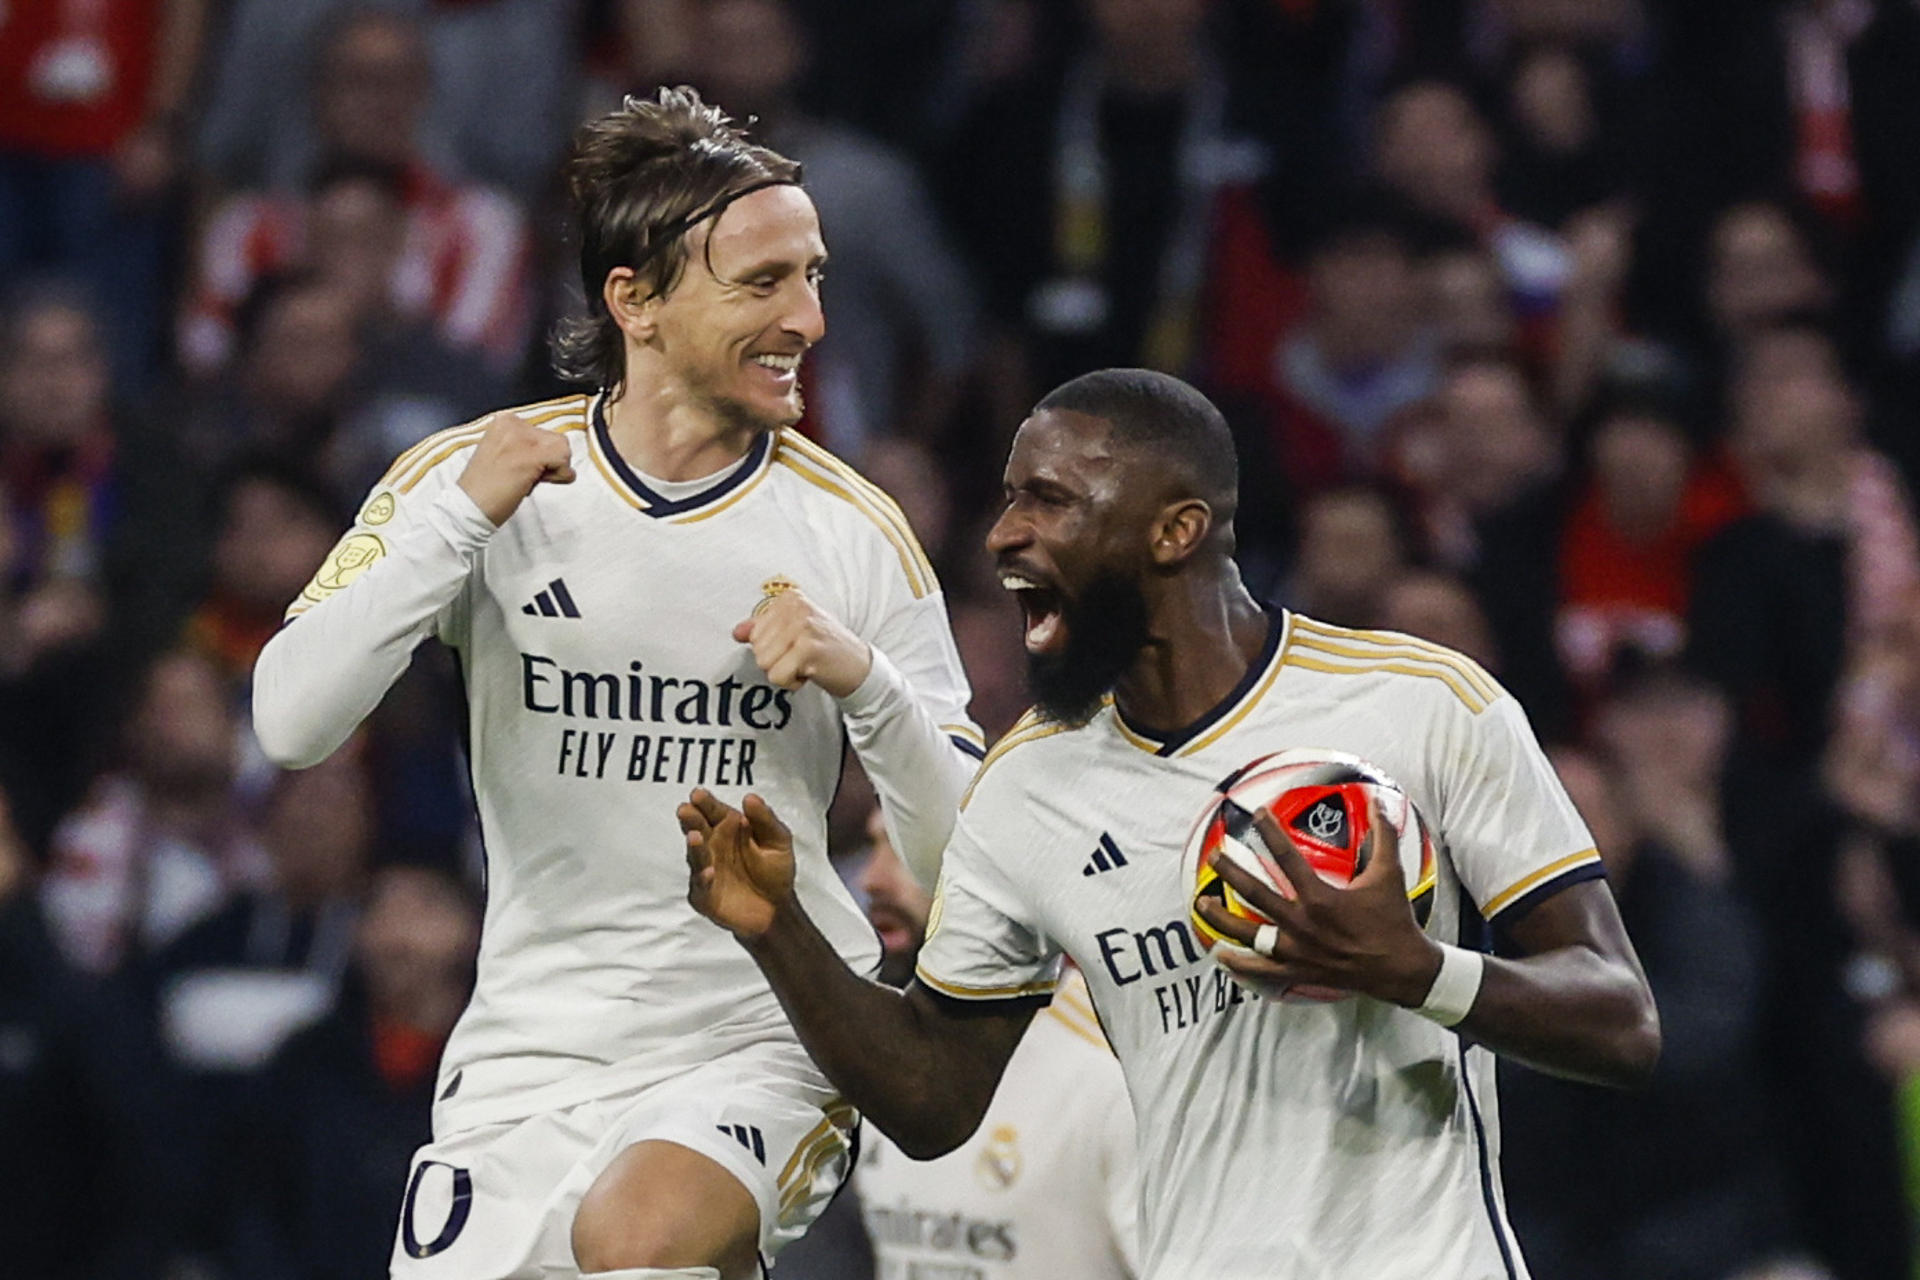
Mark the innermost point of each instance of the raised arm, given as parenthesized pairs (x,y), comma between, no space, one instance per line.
(1576,1004)
(920,1066)
(406,559)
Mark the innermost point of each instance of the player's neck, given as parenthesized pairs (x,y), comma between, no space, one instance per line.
(1205,637)
(665,436)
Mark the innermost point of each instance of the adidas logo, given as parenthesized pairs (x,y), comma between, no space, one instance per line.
(1107,857)
(554,602)
(748,1136)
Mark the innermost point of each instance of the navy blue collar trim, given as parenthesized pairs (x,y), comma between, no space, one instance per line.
(658,506)
(1276,627)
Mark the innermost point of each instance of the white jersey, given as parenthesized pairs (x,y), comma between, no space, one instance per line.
(603,684)
(1046,1189)
(1280,1141)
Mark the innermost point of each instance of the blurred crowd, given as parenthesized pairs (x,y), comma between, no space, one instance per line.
(1580,335)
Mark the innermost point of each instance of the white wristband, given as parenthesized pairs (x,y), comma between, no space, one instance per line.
(1454,988)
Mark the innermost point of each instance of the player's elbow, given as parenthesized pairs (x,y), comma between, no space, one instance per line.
(287,735)
(1634,1046)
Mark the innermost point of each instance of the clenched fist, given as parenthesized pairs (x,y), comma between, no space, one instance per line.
(512,457)
(795,641)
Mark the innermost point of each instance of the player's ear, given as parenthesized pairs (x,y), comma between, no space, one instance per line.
(631,304)
(1179,530)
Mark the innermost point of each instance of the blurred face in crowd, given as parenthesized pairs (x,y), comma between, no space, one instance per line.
(373,83)
(1432,145)
(269,547)
(182,735)
(751,55)
(1366,299)
(1640,465)
(1677,721)
(1495,441)
(729,337)
(896,904)
(54,383)
(1438,607)
(1466,301)
(1760,270)
(318,825)
(417,943)
(1149,43)
(303,357)
(1349,552)
(355,232)
(1552,102)
(1793,440)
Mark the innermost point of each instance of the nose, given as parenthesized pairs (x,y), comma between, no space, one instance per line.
(1009,533)
(806,317)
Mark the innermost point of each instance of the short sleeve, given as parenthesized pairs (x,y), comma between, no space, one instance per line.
(979,945)
(1512,833)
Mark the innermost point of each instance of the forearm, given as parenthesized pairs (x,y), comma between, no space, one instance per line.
(876,1044)
(917,768)
(320,676)
(1570,1012)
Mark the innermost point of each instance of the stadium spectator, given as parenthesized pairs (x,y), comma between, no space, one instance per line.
(462,264)
(497,109)
(903,311)
(1439,607)
(1085,196)
(93,104)
(159,843)
(1351,549)
(1684,1180)
(340,1109)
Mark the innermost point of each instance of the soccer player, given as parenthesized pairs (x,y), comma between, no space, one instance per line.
(1344,1139)
(650,588)
(1047,1185)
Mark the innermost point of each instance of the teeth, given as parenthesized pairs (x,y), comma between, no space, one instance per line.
(1015,582)
(786,364)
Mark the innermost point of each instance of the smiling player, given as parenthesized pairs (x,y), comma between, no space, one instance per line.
(650,588)
(1277,1141)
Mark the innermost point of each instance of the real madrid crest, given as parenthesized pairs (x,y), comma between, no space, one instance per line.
(773,588)
(999,1163)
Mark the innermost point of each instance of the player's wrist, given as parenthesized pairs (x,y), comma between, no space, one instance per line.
(1413,976)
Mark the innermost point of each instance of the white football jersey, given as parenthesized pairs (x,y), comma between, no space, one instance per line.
(1278,1140)
(593,630)
(1046,1189)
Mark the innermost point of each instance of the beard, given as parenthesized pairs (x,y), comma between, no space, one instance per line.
(1106,630)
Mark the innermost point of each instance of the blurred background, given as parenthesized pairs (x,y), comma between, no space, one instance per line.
(1581,335)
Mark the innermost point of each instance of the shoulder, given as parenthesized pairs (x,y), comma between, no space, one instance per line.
(565,414)
(857,509)
(1037,742)
(1388,664)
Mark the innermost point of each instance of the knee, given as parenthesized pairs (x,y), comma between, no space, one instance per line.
(610,1236)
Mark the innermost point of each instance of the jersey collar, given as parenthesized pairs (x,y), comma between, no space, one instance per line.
(637,493)
(1224,714)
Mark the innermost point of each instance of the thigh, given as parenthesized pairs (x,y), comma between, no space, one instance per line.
(661,1204)
(769,1119)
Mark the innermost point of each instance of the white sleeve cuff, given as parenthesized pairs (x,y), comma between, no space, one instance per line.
(884,684)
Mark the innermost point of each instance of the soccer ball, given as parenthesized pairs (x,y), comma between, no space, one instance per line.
(1320,798)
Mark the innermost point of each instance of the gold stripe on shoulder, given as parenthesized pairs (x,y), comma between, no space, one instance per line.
(1397,644)
(1461,690)
(414,452)
(967,731)
(1015,738)
(910,562)
(1074,1022)
(1526,884)
(883,500)
(1364,654)
(1241,712)
(421,469)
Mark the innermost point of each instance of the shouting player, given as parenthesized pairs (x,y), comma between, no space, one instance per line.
(654,587)
(1355,1138)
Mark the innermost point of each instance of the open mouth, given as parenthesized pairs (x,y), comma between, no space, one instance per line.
(1043,607)
(784,370)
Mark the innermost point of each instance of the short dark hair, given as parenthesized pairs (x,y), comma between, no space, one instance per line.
(1152,410)
(639,179)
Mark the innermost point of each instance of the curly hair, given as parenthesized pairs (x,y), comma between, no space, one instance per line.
(639,178)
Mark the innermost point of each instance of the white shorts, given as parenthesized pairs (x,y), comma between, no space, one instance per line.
(497,1202)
